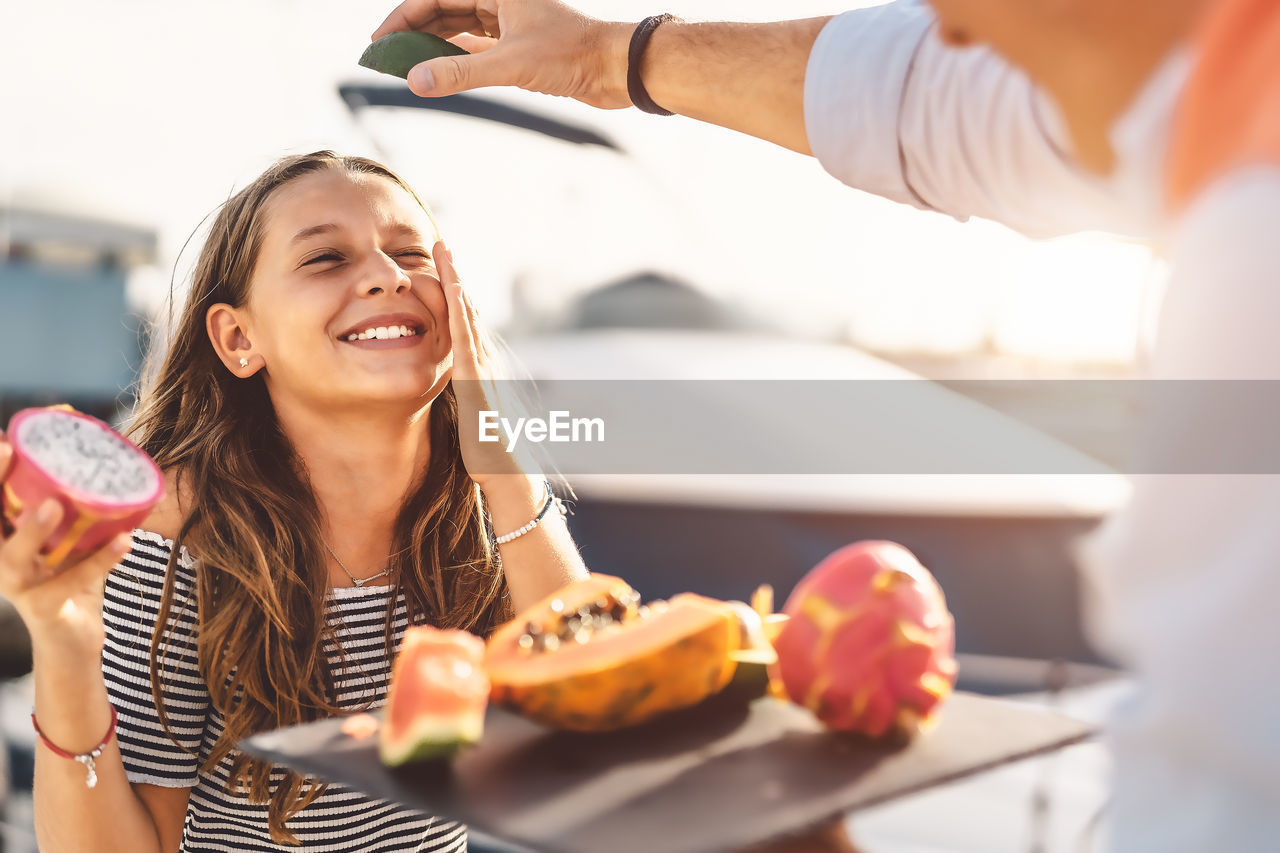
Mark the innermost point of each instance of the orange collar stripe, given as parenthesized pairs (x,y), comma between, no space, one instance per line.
(1229,114)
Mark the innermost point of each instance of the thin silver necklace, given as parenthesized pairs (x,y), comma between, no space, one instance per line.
(355,580)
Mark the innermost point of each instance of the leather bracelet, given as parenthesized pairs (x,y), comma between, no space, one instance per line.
(85,758)
(639,41)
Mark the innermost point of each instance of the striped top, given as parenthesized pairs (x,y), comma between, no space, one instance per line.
(340,821)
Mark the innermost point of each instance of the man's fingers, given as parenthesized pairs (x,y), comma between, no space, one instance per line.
(449,25)
(473,44)
(409,15)
(450,75)
(432,16)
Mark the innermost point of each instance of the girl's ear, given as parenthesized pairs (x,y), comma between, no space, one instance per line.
(226,328)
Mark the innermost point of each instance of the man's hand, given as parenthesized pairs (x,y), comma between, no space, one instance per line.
(539,45)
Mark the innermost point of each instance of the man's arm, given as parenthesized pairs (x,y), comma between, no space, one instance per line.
(746,77)
(890,109)
(872,93)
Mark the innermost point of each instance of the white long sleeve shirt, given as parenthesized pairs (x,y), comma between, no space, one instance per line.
(1184,583)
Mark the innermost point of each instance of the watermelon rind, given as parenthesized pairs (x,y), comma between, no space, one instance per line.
(429,738)
(751,675)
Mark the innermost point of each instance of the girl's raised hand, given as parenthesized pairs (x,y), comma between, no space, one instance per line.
(475,372)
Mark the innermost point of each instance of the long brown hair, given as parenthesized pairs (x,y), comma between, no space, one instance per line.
(254,527)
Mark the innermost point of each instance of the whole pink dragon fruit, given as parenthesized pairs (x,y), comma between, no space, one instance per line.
(869,643)
(106,485)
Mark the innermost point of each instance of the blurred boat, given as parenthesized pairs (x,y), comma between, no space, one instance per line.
(1001,545)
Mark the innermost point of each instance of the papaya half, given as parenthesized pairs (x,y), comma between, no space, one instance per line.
(590,657)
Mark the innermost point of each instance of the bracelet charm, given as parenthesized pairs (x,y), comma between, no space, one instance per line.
(90,780)
(85,758)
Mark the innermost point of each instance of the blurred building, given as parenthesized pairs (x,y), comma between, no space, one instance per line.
(69,335)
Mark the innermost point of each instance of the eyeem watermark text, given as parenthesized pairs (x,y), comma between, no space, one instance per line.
(558,427)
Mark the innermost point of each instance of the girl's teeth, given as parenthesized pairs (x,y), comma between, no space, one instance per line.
(382,333)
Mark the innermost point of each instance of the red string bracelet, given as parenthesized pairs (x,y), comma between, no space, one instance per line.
(85,758)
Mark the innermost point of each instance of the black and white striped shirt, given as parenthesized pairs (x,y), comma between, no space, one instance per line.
(340,821)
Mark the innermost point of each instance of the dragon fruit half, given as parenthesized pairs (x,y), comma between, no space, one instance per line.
(106,485)
(869,643)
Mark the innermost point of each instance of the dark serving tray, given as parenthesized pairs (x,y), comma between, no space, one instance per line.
(709,779)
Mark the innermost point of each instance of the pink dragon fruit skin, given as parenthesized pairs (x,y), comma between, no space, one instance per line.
(869,643)
(106,485)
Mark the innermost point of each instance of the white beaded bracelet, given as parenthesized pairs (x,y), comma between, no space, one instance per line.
(552,500)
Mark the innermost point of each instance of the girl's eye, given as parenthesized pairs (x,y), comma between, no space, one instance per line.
(332,257)
(413,258)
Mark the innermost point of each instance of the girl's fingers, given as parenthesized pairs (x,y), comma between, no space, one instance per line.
(459,323)
(6,529)
(472,322)
(6,456)
(102,561)
(22,551)
(33,529)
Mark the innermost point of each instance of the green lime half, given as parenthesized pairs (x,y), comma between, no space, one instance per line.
(398,52)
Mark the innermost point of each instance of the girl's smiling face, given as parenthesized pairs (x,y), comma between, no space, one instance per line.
(345,308)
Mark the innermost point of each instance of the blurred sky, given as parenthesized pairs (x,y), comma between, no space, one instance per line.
(153,112)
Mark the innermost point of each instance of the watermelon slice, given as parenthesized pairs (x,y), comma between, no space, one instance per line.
(437,699)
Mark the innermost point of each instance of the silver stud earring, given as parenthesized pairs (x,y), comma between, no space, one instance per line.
(244,362)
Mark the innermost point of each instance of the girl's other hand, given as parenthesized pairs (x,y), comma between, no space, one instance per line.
(62,604)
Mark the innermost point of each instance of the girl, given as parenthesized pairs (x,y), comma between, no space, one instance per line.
(322,495)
